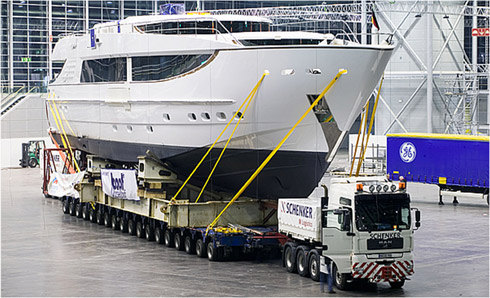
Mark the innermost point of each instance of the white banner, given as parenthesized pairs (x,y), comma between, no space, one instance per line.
(120,184)
(64,184)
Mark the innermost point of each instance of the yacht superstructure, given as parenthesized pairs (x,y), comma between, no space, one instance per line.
(170,83)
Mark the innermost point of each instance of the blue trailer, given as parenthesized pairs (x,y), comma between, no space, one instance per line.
(453,162)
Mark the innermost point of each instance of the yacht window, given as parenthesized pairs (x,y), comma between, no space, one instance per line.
(277,42)
(204,27)
(103,70)
(205,116)
(192,116)
(221,116)
(151,68)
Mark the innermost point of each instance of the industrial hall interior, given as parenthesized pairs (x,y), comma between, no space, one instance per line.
(269,148)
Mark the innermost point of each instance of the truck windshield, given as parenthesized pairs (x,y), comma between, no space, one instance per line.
(382,212)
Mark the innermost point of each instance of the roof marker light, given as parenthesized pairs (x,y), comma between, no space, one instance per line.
(378,188)
(371,188)
(401,185)
(359,187)
(393,187)
(385,188)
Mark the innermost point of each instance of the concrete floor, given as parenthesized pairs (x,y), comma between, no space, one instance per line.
(48,253)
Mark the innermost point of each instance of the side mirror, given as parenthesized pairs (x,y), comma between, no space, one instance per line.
(338,212)
(417,215)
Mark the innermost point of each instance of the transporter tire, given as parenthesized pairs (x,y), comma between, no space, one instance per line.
(159,235)
(189,245)
(72,207)
(131,227)
(140,233)
(114,222)
(314,265)
(302,261)
(100,217)
(169,238)
(123,225)
(290,259)
(397,284)
(78,210)
(65,206)
(85,212)
(340,279)
(149,234)
(179,241)
(214,253)
(107,220)
(200,248)
(93,215)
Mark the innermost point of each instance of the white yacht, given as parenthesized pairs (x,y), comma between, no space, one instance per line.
(170,84)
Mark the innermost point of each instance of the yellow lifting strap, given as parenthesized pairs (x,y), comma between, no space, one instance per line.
(249,100)
(370,127)
(364,113)
(254,90)
(64,136)
(269,157)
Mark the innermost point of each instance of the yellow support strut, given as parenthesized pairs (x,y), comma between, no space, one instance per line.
(222,132)
(370,127)
(266,161)
(366,107)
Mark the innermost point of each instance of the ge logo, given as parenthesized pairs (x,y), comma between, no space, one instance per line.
(407,152)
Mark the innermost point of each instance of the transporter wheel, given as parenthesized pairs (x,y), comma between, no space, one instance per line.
(72,208)
(189,245)
(290,259)
(314,265)
(340,279)
(85,212)
(158,235)
(65,206)
(169,238)
(397,284)
(107,220)
(149,234)
(178,241)
(140,233)
(302,261)
(123,225)
(131,227)
(93,215)
(78,210)
(100,217)
(214,253)
(114,222)
(200,248)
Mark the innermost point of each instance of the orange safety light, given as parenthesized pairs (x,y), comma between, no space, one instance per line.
(359,187)
(401,185)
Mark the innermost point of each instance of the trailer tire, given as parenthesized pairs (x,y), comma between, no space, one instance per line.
(214,253)
(397,284)
(100,217)
(189,245)
(169,238)
(93,216)
(78,210)
(158,235)
(114,222)
(107,220)
(140,233)
(85,212)
(72,207)
(149,234)
(314,265)
(302,261)
(123,225)
(340,279)
(131,227)
(178,241)
(289,259)
(200,248)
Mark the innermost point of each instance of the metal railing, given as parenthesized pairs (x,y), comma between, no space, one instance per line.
(13,98)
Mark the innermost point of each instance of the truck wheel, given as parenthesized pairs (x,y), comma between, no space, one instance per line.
(107,220)
(200,248)
(100,217)
(340,279)
(72,208)
(139,230)
(33,163)
(158,235)
(302,262)
(114,222)
(397,284)
(290,259)
(214,253)
(314,265)
(131,227)
(149,234)
(66,206)
(169,238)
(123,225)
(189,245)
(178,241)
(93,215)
(85,212)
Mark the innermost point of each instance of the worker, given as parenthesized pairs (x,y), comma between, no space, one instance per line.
(326,265)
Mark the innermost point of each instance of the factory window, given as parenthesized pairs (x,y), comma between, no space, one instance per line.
(103,70)
(153,68)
